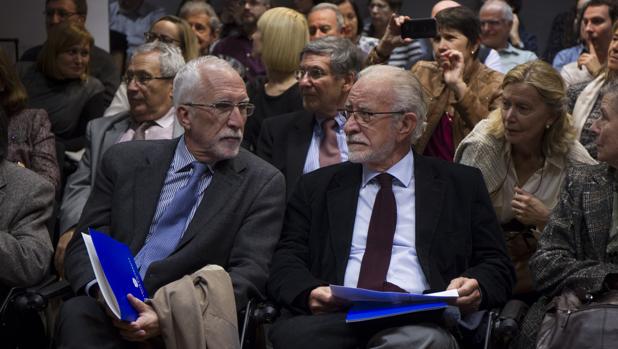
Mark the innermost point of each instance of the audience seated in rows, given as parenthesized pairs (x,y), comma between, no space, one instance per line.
(349,224)
(101,65)
(353,22)
(180,205)
(598,16)
(60,83)
(572,53)
(399,53)
(133,18)
(578,249)
(151,115)
(524,150)
(325,19)
(204,21)
(278,41)
(305,140)
(585,99)
(237,47)
(31,143)
(497,18)
(564,30)
(170,30)
(518,36)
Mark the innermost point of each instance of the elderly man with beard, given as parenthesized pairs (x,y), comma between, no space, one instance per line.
(387,220)
(180,205)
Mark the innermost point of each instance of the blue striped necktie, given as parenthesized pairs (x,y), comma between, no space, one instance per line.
(171,225)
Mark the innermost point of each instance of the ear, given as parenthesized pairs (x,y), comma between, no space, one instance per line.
(474,47)
(348,82)
(408,125)
(183,117)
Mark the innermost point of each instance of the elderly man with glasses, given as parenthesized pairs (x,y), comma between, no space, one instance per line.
(303,141)
(149,80)
(387,220)
(180,205)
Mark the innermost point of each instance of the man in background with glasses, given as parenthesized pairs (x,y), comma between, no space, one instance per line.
(306,140)
(181,205)
(387,220)
(151,115)
(325,20)
(101,64)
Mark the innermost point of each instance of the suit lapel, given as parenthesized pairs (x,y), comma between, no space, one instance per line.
(341,201)
(148,182)
(429,197)
(298,146)
(225,180)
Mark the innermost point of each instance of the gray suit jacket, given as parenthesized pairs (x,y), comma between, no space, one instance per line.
(101,134)
(236,225)
(26,201)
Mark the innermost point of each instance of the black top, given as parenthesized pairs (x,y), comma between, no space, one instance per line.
(267,106)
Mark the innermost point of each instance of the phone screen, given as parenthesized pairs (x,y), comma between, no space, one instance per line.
(419,28)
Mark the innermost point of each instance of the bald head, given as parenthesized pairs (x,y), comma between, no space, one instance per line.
(443,5)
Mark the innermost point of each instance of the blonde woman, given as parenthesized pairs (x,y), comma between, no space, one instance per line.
(280,37)
(523,150)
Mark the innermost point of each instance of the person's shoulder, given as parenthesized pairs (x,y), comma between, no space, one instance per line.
(255,164)
(284,121)
(22,180)
(31,54)
(447,170)
(586,173)
(425,66)
(134,150)
(323,176)
(93,85)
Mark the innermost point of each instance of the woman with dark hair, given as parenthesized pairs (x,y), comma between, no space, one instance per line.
(30,141)
(60,84)
(523,150)
(460,90)
(170,30)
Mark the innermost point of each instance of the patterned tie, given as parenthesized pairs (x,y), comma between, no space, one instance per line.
(171,225)
(378,249)
(329,148)
(140,130)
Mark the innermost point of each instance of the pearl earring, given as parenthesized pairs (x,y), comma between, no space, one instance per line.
(547,126)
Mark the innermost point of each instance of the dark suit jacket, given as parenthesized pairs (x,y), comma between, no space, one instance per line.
(284,142)
(457,232)
(236,225)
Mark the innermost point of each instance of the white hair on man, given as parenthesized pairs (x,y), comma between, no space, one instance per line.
(507,11)
(188,83)
(328,6)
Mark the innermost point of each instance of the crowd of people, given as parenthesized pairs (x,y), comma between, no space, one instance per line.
(253,152)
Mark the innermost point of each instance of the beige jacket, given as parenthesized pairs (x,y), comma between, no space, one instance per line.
(482,97)
(198,311)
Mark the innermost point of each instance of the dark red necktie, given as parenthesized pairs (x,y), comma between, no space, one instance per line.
(377,258)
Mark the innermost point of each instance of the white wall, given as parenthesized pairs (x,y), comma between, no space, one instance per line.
(24,20)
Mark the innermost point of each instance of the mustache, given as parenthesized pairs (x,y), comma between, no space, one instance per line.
(355,138)
(230,134)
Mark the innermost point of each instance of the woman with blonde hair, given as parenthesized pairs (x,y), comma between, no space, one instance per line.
(281,35)
(170,30)
(60,84)
(523,150)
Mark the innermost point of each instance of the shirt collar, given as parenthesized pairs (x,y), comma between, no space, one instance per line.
(183,157)
(167,119)
(319,119)
(403,171)
(509,49)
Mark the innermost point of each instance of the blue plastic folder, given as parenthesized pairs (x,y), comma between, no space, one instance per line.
(363,311)
(116,273)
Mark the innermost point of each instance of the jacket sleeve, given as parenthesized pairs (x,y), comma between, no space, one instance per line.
(474,106)
(43,160)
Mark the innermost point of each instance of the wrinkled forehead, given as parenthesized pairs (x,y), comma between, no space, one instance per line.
(370,93)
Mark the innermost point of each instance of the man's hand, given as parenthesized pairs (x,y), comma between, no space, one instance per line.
(514,34)
(392,36)
(469,291)
(61,248)
(145,327)
(453,66)
(590,61)
(529,209)
(321,301)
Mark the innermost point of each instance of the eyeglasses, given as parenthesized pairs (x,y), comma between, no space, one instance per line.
(142,79)
(490,23)
(325,29)
(224,109)
(150,37)
(49,13)
(365,116)
(312,73)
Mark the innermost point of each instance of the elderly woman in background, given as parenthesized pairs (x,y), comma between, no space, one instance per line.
(60,84)
(585,101)
(524,150)
(204,21)
(167,29)
(281,35)
(578,251)
(30,141)
(460,90)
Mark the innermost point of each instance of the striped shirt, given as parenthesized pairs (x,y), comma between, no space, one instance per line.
(312,162)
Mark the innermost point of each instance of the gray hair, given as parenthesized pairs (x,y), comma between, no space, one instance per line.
(170,56)
(407,92)
(610,91)
(345,57)
(199,7)
(328,6)
(189,83)
(507,11)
